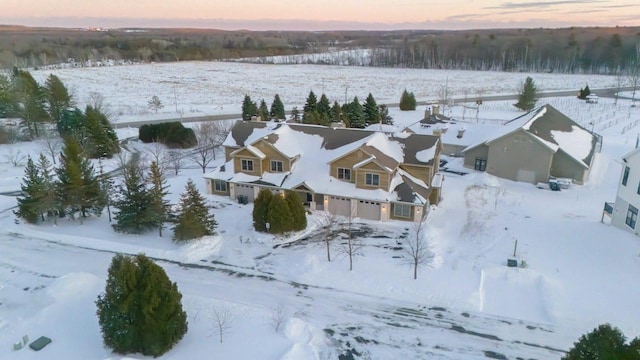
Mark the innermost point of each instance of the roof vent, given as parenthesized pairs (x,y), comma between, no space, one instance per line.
(222,168)
(460,133)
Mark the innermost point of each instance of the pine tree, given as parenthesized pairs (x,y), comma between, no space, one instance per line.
(194,220)
(335,115)
(528,96)
(356,114)
(324,106)
(407,101)
(71,123)
(249,108)
(261,209)
(371,110)
(29,207)
(584,93)
(134,213)
(102,138)
(385,118)
(58,98)
(78,188)
(277,108)
(159,205)
(311,104)
(49,200)
(140,310)
(297,210)
(155,103)
(32,97)
(603,343)
(263,111)
(8,105)
(279,216)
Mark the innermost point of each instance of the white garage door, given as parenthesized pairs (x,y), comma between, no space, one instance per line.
(526,176)
(246,190)
(339,206)
(369,210)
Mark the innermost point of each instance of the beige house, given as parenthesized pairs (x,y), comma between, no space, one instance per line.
(348,172)
(533,147)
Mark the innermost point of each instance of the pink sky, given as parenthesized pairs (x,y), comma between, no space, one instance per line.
(321,15)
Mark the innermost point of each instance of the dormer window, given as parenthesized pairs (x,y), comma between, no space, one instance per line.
(276,166)
(247,165)
(344,174)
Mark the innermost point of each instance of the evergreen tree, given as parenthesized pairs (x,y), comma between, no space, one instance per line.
(279,216)
(29,207)
(407,101)
(159,205)
(106,189)
(103,141)
(140,310)
(263,111)
(49,199)
(297,210)
(335,115)
(58,98)
(324,106)
(78,189)
(8,106)
(134,214)
(71,123)
(194,220)
(603,343)
(584,93)
(311,104)
(528,96)
(32,98)
(277,108)
(371,111)
(385,118)
(261,209)
(249,108)
(155,103)
(295,114)
(356,115)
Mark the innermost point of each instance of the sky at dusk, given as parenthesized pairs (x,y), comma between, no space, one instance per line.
(321,15)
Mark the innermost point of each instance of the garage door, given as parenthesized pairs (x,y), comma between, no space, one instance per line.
(339,206)
(369,210)
(526,176)
(245,190)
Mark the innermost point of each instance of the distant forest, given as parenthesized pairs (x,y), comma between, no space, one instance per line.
(594,50)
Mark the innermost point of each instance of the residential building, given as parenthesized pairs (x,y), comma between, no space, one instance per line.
(624,213)
(348,172)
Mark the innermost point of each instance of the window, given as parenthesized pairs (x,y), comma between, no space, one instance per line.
(632,217)
(344,174)
(247,165)
(372,179)
(480,165)
(638,191)
(276,166)
(219,185)
(625,177)
(401,210)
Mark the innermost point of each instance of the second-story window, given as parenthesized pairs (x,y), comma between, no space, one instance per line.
(372,179)
(247,165)
(344,174)
(625,177)
(276,166)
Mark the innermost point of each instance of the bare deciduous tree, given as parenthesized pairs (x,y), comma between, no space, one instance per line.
(15,157)
(223,317)
(157,152)
(52,145)
(328,222)
(278,316)
(175,160)
(416,246)
(353,246)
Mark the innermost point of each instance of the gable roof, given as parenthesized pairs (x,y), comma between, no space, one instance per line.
(317,146)
(551,128)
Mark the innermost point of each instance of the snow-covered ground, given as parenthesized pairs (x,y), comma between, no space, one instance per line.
(466,305)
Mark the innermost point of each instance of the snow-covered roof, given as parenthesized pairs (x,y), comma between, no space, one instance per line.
(552,129)
(316,147)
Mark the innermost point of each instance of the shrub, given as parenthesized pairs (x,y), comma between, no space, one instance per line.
(172,134)
(141,309)
(603,343)
(260,209)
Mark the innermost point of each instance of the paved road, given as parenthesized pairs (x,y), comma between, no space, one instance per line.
(603,92)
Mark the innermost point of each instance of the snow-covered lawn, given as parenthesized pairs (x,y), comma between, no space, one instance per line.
(580,272)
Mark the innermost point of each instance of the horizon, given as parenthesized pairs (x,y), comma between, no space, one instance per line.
(330,15)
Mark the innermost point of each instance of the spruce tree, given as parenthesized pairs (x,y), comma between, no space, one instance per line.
(78,188)
(49,199)
(249,108)
(194,220)
(385,118)
(324,106)
(371,111)
(297,211)
(277,108)
(71,123)
(335,115)
(32,98)
(279,216)
(263,111)
(528,96)
(133,200)
(58,98)
(140,310)
(102,138)
(603,343)
(356,115)
(311,104)
(29,206)
(159,205)
(407,101)
(261,209)
(8,105)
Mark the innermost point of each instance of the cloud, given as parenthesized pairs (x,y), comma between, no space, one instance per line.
(541,4)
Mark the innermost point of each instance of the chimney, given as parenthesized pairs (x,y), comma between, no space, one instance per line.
(460,133)
(427,113)
(436,109)
(437,132)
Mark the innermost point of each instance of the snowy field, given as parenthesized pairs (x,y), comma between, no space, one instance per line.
(466,305)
